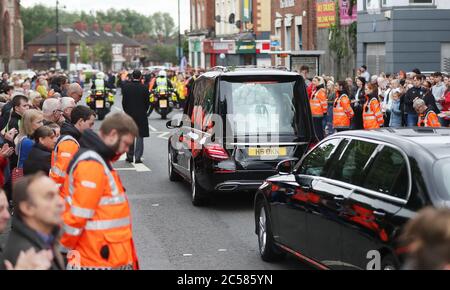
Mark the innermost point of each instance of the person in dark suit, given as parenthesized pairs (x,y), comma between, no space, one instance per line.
(135,103)
(36,221)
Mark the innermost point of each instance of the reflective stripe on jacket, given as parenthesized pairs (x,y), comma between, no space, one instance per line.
(319,104)
(342,112)
(429,119)
(372,115)
(62,155)
(97,219)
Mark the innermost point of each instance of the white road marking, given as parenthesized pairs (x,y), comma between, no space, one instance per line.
(152,128)
(164,135)
(141,168)
(125,169)
(155,205)
(123,157)
(222,250)
(187,255)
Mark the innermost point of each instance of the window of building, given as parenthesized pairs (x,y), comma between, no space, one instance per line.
(445,57)
(373,5)
(421,1)
(288,38)
(375,57)
(200,16)
(299,37)
(193,16)
(202,21)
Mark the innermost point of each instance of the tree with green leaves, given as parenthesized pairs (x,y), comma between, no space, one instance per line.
(38,18)
(102,53)
(164,25)
(85,53)
(342,39)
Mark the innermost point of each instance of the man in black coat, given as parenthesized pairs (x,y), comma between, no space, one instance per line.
(135,102)
(35,225)
(411,95)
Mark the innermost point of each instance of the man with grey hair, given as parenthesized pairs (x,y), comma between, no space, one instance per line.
(52,111)
(427,117)
(67,105)
(75,92)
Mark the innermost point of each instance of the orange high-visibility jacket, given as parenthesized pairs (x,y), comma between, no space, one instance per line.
(342,112)
(319,103)
(429,119)
(372,115)
(97,220)
(62,155)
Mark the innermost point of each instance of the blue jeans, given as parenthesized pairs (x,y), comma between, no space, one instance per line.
(412,120)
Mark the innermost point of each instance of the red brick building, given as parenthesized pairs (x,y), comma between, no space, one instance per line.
(11,36)
(41,52)
(293,28)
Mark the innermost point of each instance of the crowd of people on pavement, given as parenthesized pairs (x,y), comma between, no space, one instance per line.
(64,206)
(375,101)
(68,205)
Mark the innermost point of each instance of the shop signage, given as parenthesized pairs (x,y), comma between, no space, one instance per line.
(246,47)
(326,14)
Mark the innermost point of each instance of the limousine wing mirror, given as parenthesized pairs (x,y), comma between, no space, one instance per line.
(287,166)
(304,183)
(174,124)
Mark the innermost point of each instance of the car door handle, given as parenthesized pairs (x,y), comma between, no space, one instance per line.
(290,193)
(339,198)
(379,214)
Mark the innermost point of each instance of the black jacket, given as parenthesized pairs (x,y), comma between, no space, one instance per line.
(135,102)
(39,160)
(23,238)
(3,86)
(91,141)
(14,121)
(68,128)
(430,101)
(410,96)
(6,112)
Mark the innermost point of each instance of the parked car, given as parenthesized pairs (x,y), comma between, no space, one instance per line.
(349,198)
(265,117)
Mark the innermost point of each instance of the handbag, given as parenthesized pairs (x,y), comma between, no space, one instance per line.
(17,172)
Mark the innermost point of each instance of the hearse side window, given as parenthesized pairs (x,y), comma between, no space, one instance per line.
(314,164)
(350,167)
(388,174)
(208,103)
(199,97)
(190,102)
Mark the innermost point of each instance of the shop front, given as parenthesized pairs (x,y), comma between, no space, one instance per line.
(220,53)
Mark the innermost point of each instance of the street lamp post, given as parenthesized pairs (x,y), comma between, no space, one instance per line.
(57,31)
(179,34)
(58,64)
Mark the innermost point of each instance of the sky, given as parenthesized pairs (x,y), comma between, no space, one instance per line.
(146,7)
